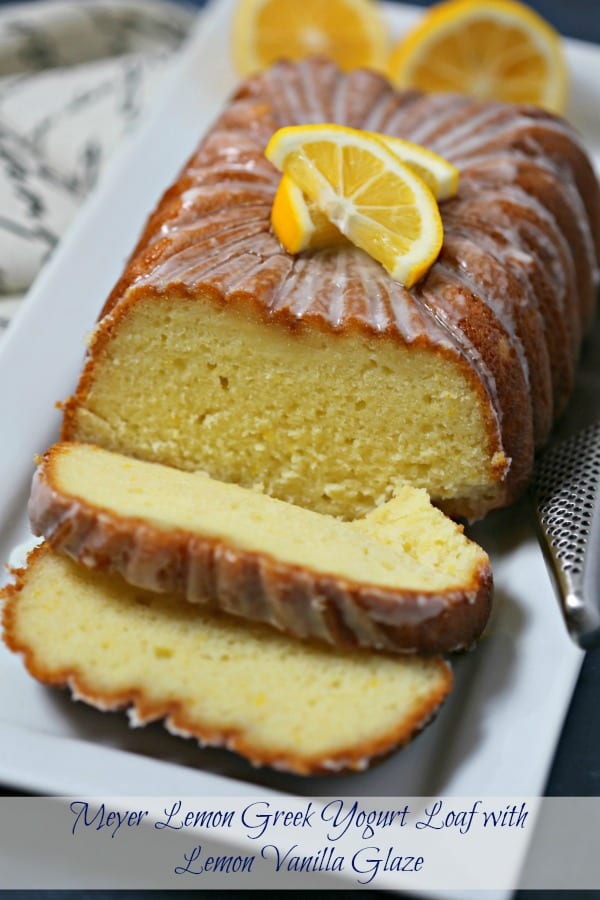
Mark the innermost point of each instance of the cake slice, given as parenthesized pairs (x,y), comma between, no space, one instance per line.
(293,705)
(403,578)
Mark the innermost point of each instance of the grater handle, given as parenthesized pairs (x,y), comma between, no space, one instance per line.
(566,489)
(580,607)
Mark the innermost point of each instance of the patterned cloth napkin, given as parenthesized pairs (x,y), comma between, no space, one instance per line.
(75,77)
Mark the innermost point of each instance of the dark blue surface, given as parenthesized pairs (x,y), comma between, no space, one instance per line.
(576,18)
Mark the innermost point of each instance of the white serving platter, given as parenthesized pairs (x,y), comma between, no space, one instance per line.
(497,733)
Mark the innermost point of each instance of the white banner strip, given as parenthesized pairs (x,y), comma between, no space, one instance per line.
(427,846)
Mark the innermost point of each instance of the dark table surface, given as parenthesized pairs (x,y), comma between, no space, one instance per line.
(576,767)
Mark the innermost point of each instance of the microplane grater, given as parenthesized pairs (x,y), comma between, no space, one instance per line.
(566,489)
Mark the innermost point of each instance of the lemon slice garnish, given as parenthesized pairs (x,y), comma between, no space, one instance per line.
(350,32)
(366,191)
(300,225)
(493,50)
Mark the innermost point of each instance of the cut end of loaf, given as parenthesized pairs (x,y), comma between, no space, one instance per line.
(288,704)
(332,422)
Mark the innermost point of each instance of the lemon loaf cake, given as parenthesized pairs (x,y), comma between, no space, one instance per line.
(293,705)
(319,379)
(403,578)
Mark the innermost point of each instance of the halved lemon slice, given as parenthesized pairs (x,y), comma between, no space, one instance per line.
(298,223)
(351,32)
(372,197)
(491,49)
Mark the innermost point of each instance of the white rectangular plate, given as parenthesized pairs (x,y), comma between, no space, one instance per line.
(497,733)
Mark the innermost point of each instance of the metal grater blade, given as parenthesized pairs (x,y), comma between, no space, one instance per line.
(566,489)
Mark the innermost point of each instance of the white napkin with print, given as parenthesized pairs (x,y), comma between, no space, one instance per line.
(75,77)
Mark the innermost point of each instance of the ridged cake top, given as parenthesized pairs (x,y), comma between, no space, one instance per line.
(518,235)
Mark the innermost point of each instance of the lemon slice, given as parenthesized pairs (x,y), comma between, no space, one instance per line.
(437,173)
(298,223)
(493,50)
(351,32)
(372,197)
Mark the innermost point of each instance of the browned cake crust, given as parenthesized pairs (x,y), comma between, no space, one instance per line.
(176,719)
(299,601)
(508,300)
